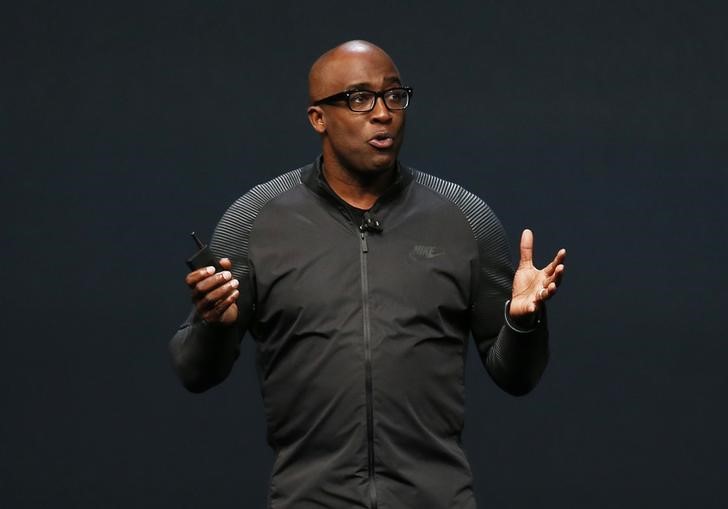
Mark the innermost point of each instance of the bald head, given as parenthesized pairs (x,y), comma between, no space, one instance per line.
(330,72)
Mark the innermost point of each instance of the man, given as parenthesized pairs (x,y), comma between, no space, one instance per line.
(361,280)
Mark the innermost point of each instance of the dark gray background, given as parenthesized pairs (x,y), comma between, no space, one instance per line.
(599,124)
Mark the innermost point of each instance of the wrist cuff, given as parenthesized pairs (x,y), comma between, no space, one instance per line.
(506,312)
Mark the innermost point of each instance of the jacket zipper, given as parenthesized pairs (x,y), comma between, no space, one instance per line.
(368,366)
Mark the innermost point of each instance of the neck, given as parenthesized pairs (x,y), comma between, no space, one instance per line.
(357,188)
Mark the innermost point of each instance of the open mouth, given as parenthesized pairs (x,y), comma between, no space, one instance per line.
(382,141)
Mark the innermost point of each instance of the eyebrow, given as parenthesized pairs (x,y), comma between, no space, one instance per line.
(368,86)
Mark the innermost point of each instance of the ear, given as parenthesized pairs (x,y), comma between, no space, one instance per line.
(317,119)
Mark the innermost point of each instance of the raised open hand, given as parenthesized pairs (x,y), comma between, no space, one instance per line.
(532,286)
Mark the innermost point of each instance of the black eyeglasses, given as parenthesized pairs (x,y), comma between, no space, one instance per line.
(362,101)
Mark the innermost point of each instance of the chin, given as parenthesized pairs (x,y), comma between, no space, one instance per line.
(366,162)
(382,162)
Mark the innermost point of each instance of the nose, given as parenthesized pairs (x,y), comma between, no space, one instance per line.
(381,113)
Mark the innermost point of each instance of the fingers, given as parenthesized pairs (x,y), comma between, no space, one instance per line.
(547,292)
(210,281)
(208,293)
(558,260)
(223,310)
(198,275)
(553,274)
(526,248)
(213,293)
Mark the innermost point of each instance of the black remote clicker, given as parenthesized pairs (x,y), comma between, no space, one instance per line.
(203,257)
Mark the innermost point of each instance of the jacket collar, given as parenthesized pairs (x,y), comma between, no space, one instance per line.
(312,177)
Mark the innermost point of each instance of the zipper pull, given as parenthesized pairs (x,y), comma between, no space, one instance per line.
(364,246)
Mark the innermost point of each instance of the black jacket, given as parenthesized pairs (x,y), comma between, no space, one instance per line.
(361,333)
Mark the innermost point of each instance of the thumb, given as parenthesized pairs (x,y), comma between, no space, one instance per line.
(526,248)
(225,263)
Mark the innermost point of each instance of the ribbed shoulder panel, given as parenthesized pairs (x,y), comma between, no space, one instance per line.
(480,217)
(232,234)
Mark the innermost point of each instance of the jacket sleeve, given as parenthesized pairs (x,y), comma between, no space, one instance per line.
(514,359)
(203,354)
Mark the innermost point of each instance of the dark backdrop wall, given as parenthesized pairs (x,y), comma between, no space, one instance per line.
(600,125)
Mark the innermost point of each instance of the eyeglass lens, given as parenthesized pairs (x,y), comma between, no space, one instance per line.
(395,99)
